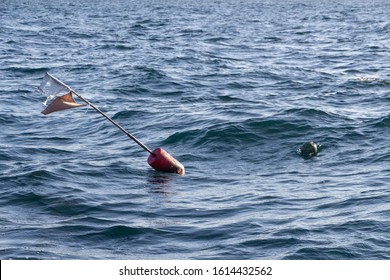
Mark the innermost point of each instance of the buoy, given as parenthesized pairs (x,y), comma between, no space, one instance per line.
(309,149)
(161,160)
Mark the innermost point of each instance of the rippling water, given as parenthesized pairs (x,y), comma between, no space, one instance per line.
(232,89)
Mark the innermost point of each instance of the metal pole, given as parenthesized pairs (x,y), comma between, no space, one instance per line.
(104,115)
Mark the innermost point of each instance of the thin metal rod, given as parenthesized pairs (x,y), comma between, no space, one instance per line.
(104,115)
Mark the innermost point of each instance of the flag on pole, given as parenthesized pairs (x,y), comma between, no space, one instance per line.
(62,103)
(49,86)
(159,159)
(52,89)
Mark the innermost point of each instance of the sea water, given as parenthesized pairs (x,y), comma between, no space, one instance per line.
(231,89)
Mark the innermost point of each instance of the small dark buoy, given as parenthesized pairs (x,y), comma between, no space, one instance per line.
(309,149)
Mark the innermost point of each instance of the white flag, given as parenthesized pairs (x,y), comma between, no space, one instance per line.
(50,87)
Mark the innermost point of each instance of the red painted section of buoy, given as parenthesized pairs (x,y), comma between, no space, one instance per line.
(161,160)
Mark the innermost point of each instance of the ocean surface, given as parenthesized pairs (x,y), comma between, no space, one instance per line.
(231,89)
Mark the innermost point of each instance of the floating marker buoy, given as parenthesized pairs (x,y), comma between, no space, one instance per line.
(161,160)
(309,149)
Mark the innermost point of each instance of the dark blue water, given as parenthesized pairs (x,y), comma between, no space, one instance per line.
(232,89)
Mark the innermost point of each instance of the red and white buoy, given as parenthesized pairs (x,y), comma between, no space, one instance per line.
(161,160)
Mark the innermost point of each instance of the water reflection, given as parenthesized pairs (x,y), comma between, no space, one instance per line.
(159,178)
(159,182)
